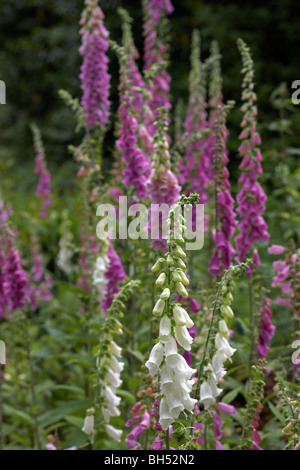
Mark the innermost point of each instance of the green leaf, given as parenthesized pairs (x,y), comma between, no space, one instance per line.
(59,413)
(277,413)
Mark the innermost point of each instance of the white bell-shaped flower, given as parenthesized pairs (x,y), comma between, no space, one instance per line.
(166,419)
(113,432)
(218,364)
(109,411)
(115,349)
(155,359)
(166,378)
(189,403)
(179,316)
(222,345)
(183,370)
(206,395)
(88,426)
(172,357)
(113,379)
(174,401)
(188,321)
(115,365)
(164,329)
(110,396)
(183,337)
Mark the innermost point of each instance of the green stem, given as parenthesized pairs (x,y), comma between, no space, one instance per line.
(252,326)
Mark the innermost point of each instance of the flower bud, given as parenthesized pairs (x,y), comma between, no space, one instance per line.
(188,321)
(159,307)
(179,317)
(165,294)
(170,260)
(158,265)
(223,329)
(181,290)
(165,329)
(176,276)
(181,263)
(289,429)
(179,252)
(184,279)
(160,281)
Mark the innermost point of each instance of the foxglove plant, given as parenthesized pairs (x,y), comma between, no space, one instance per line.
(251,198)
(224,213)
(194,168)
(155,58)
(43,189)
(95,79)
(211,370)
(137,168)
(109,369)
(175,374)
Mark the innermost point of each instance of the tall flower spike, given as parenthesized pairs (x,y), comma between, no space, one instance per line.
(137,166)
(225,215)
(95,79)
(163,185)
(155,57)
(194,168)
(175,374)
(251,199)
(109,368)
(43,189)
(211,374)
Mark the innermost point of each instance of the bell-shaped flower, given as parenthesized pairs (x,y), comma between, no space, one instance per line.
(155,359)
(113,379)
(115,349)
(179,316)
(88,426)
(115,365)
(166,419)
(165,329)
(183,337)
(182,369)
(113,432)
(188,321)
(218,364)
(174,402)
(172,357)
(222,345)
(109,411)
(166,378)
(110,396)
(206,395)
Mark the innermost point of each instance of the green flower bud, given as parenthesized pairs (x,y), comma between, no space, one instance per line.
(170,260)
(160,281)
(181,290)
(184,279)
(181,263)
(159,307)
(165,294)
(223,329)
(158,265)
(179,252)
(176,275)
